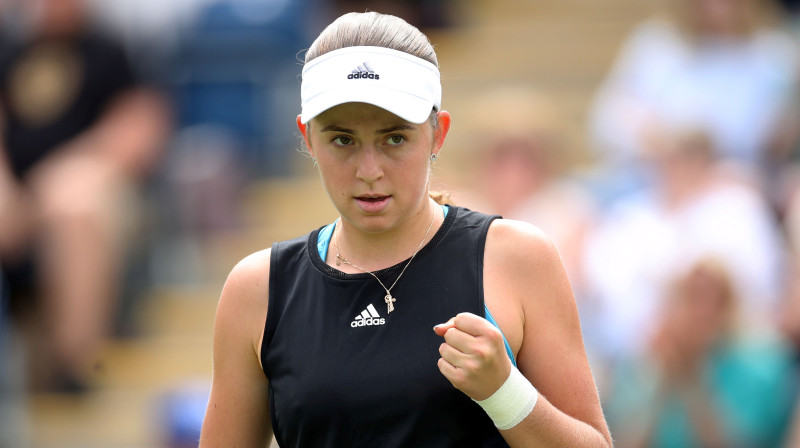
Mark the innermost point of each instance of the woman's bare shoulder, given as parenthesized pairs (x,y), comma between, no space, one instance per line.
(525,265)
(238,410)
(519,242)
(245,297)
(250,272)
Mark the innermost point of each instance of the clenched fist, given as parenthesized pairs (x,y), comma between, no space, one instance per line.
(473,358)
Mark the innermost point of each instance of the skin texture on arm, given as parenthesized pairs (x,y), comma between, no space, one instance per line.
(530,296)
(238,409)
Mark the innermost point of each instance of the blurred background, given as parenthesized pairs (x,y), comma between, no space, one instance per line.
(147,146)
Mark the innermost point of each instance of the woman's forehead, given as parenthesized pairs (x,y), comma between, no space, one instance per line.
(362,114)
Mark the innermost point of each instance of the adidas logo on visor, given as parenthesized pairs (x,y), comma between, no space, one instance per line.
(363,71)
(368,317)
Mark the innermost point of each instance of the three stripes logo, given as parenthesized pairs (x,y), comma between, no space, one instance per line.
(368,317)
(363,71)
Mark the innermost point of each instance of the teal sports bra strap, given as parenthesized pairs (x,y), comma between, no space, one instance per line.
(324,240)
(490,318)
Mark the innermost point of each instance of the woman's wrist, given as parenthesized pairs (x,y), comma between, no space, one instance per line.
(512,402)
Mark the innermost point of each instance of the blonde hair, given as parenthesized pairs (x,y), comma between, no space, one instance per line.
(372,29)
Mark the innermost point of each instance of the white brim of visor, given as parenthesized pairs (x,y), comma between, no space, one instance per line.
(398,82)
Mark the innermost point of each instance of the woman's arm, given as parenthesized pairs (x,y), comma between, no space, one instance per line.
(238,409)
(530,295)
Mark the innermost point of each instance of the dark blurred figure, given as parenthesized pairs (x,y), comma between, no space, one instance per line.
(703,383)
(791,6)
(79,134)
(424,14)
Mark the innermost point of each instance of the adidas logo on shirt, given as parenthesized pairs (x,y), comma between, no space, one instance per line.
(363,71)
(368,317)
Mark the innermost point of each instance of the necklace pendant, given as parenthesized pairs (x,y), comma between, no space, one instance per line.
(389,303)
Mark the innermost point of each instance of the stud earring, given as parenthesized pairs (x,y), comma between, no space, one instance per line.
(315,160)
(433,157)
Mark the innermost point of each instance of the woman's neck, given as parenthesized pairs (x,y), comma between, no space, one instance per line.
(375,251)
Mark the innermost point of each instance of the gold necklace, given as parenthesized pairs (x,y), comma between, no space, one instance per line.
(388,298)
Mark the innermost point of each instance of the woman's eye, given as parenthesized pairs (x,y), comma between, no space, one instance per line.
(395,139)
(343,140)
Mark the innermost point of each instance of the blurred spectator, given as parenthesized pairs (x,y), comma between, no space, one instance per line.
(721,64)
(793,440)
(79,133)
(521,151)
(235,69)
(691,212)
(790,310)
(702,383)
(792,213)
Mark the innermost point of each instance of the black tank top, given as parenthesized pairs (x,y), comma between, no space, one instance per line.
(344,373)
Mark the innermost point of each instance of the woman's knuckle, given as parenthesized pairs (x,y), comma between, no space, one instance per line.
(494,335)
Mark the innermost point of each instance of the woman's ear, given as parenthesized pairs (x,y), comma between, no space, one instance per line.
(304,128)
(442,128)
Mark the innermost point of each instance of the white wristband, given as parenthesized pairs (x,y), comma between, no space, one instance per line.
(510,404)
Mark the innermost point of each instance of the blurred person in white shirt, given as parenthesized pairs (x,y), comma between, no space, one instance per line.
(722,64)
(695,210)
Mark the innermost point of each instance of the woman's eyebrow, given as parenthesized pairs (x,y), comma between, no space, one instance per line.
(395,128)
(335,128)
(399,127)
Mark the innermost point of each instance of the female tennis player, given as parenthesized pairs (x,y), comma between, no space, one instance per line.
(406,322)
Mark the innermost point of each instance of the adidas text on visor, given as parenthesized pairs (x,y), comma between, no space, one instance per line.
(404,85)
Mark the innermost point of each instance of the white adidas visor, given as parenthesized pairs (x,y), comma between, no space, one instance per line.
(404,85)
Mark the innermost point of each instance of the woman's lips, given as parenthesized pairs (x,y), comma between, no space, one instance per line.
(372,204)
